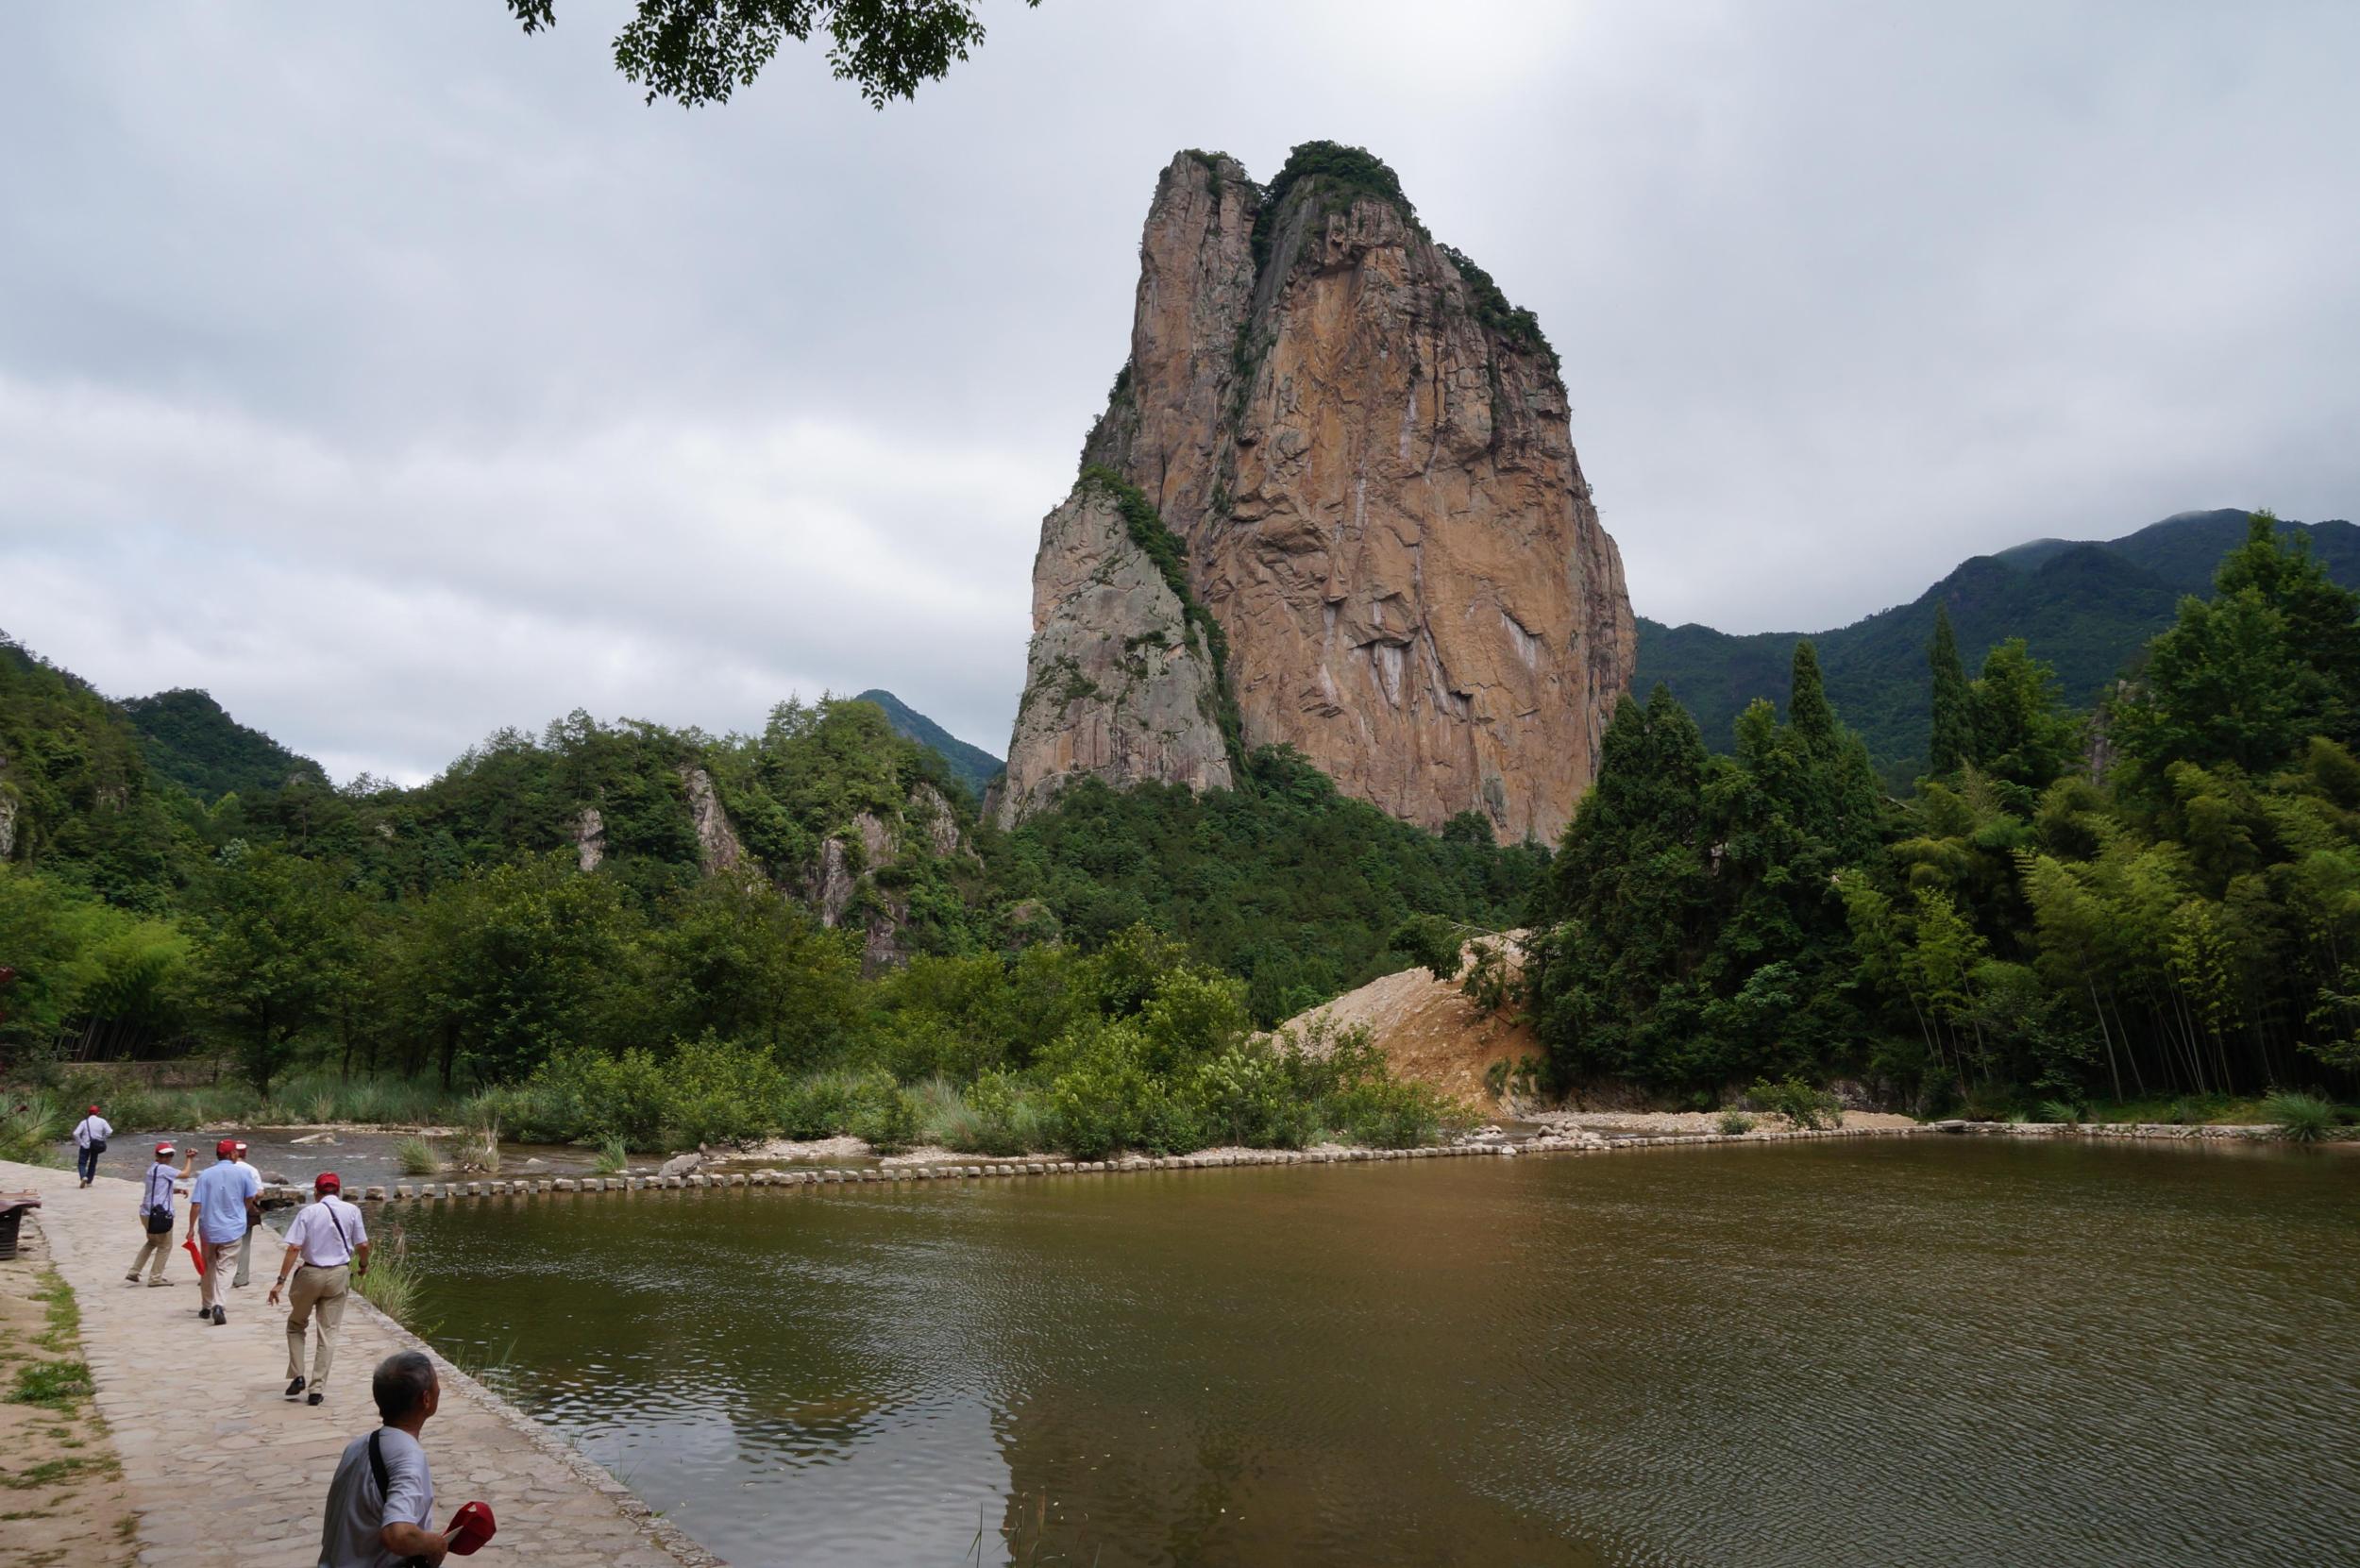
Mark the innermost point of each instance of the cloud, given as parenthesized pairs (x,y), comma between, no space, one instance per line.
(397,377)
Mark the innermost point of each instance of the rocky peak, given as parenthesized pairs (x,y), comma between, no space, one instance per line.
(1365,455)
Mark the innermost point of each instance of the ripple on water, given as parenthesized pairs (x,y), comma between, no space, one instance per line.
(1913,1352)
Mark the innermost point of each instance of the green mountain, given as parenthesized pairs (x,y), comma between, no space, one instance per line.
(970,765)
(192,740)
(2086,607)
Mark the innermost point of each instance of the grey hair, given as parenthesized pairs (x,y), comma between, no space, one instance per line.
(400,1384)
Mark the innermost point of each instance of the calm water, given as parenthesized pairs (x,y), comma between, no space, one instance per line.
(1925,1352)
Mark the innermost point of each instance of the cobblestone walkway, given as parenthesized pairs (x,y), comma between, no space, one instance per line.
(225,1473)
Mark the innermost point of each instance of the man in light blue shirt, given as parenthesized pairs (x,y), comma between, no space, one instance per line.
(217,1218)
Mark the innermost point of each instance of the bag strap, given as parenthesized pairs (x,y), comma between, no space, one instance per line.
(377,1468)
(331,1205)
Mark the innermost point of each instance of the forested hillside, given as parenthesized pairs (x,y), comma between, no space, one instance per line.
(2016,934)
(970,765)
(2085,609)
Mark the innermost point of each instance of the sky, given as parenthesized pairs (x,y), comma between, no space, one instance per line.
(397,377)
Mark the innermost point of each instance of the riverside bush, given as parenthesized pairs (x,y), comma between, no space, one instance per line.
(2300,1117)
(1805,1106)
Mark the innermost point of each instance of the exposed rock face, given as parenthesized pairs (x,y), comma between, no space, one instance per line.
(1368,455)
(590,837)
(1118,684)
(835,882)
(718,849)
(8,825)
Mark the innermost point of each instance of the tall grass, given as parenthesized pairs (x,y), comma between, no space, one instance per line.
(613,1160)
(2299,1117)
(392,1285)
(304,1099)
(417,1156)
(30,1131)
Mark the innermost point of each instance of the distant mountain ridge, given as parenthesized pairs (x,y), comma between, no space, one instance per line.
(974,766)
(2086,606)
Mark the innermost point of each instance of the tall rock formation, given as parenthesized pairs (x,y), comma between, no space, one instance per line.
(1364,452)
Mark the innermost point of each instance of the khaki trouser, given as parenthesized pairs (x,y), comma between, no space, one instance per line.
(324,1290)
(245,1257)
(213,1286)
(158,1246)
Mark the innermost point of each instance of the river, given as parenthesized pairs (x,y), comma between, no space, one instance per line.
(1928,1351)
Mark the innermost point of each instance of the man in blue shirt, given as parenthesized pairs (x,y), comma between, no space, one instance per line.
(217,1218)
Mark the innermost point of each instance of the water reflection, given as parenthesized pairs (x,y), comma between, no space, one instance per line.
(1941,1353)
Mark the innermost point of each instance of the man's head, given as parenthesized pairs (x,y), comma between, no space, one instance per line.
(226,1149)
(239,1149)
(405,1387)
(164,1151)
(93,1110)
(326,1182)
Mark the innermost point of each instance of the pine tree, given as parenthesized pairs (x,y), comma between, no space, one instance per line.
(1954,725)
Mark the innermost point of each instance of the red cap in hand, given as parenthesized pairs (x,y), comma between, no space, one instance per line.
(470,1528)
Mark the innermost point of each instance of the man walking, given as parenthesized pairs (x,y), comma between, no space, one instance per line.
(156,1216)
(382,1494)
(90,1141)
(327,1247)
(244,1276)
(218,1205)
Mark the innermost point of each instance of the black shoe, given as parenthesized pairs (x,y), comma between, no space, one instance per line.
(317,1398)
(220,1317)
(295,1388)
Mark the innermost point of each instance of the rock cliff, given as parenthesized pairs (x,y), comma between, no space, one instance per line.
(1365,454)
(1120,681)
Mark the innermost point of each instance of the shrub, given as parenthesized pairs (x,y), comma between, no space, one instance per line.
(2056,1111)
(612,1158)
(2300,1117)
(416,1157)
(30,1131)
(1805,1106)
(1736,1123)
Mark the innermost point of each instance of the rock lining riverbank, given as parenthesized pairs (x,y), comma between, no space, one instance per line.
(1571,1142)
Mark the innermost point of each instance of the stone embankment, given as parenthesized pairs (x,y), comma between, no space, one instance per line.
(1567,1141)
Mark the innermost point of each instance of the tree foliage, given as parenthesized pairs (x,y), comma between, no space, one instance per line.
(701,51)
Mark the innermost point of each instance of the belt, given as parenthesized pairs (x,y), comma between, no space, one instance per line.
(346,1264)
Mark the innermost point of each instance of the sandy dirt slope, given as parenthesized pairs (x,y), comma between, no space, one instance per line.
(1429,1033)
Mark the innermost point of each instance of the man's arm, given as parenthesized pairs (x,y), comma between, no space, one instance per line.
(359,1258)
(286,1266)
(410,1540)
(196,1208)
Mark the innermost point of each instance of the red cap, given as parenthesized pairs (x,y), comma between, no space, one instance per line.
(326,1180)
(93,1110)
(470,1528)
(227,1147)
(162,1149)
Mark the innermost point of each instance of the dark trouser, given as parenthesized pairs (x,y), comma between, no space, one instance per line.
(86,1161)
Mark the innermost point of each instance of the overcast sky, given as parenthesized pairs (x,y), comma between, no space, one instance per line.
(397,376)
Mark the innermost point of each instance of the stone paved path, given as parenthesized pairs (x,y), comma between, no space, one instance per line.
(225,1472)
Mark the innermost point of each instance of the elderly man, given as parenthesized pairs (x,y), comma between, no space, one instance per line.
(90,1141)
(244,1276)
(219,1205)
(327,1245)
(382,1494)
(156,1219)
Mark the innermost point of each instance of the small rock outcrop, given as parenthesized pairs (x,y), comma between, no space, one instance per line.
(717,846)
(1120,683)
(1365,455)
(590,837)
(8,825)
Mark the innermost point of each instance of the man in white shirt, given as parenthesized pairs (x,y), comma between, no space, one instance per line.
(244,1276)
(327,1245)
(382,1498)
(90,1141)
(155,1219)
